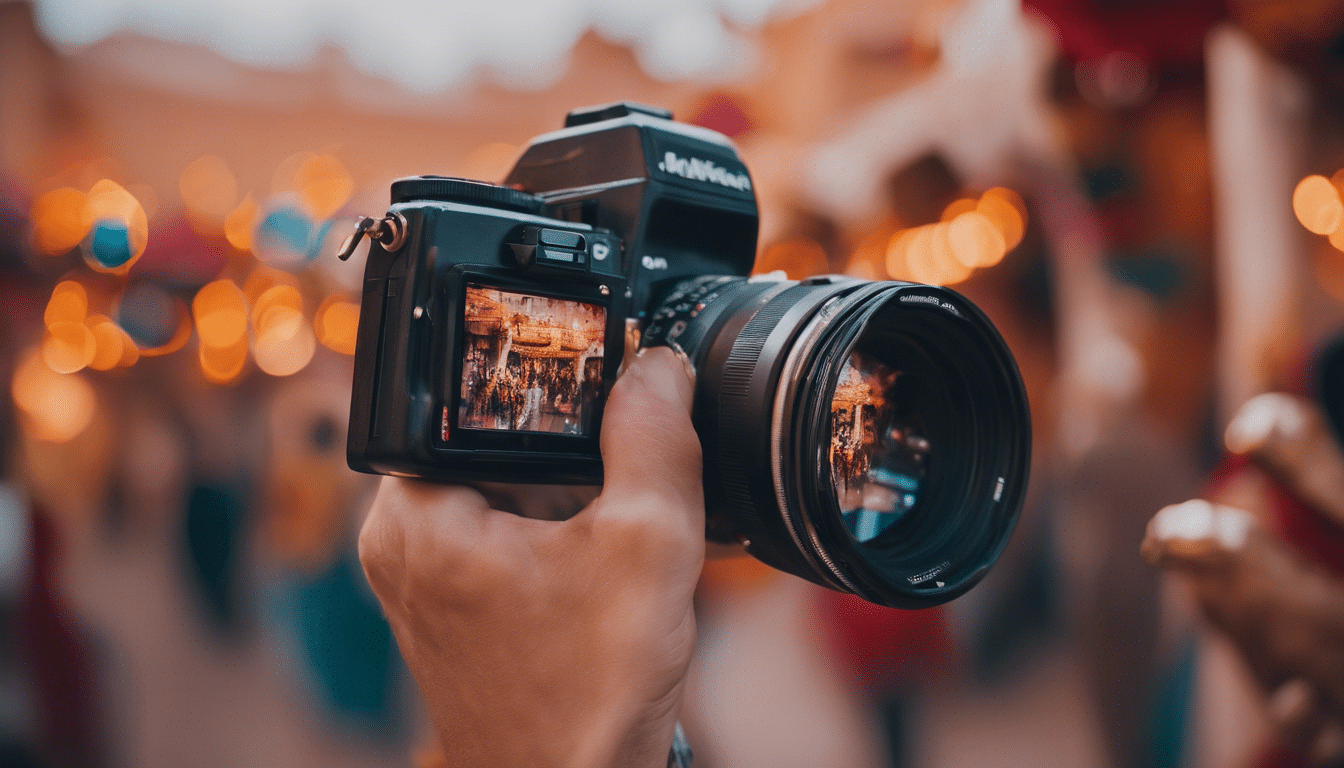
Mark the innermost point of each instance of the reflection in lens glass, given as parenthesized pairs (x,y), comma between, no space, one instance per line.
(878,448)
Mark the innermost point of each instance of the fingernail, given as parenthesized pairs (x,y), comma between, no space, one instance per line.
(651,370)
(686,363)
(1259,418)
(1199,520)
(685,359)
(1252,424)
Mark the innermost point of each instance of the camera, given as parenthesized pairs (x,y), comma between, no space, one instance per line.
(872,437)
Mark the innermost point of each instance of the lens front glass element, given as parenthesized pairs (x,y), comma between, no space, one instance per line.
(910,446)
(879,446)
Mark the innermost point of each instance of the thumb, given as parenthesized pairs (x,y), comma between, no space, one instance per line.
(649,447)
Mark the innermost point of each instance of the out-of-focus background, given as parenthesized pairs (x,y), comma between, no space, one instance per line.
(178,583)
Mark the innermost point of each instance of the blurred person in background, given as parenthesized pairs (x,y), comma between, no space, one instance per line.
(1259,556)
(1263,558)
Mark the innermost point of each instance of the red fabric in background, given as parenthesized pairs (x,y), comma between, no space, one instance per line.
(1311,533)
(884,646)
(1308,531)
(1162,32)
(177,252)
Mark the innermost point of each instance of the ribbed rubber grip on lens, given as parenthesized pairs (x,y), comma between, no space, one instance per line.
(733,411)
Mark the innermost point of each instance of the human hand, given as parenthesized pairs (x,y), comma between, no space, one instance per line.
(555,642)
(1285,616)
(1288,437)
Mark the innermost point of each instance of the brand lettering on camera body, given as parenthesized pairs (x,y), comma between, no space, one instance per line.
(704,170)
(654,262)
(919,298)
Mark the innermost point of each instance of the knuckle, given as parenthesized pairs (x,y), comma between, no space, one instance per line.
(648,523)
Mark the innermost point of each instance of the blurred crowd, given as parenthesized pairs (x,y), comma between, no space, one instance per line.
(1144,197)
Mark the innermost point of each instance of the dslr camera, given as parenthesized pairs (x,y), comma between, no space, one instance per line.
(872,437)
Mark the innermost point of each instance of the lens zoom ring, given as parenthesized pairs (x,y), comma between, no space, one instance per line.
(747,348)
(733,411)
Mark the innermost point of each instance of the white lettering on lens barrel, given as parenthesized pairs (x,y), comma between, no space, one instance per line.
(920,578)
(998,489)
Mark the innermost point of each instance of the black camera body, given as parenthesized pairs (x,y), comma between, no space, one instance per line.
(872,437)
(492,327)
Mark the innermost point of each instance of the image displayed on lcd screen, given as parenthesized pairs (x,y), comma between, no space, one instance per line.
(530,363)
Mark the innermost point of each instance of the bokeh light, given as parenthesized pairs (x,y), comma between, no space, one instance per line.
(895,260)
(336,323)
(970,234)
(324,184)
(283,339)
(240,222)
(287,235)
(264,278)
(68,347)
(1317,204)
(925,254)
(1006,210)
(130,352)
(220,310)
(220,313)
(929,257)
(284,296)
(975,241)
(109,342)
(57,407)
(69,303)
(209,191)
(223,365)
(285,344)
(958,207)
(120,229)
(60,220)
(286,175)
(158,322)
(920,258)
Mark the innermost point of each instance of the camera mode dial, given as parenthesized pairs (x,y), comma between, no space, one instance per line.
(451,189)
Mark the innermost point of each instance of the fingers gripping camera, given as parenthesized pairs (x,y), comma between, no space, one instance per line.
(872,437)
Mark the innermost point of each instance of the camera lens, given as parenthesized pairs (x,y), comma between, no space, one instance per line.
(870,437)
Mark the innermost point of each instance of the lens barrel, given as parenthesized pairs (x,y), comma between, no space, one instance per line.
(872,437)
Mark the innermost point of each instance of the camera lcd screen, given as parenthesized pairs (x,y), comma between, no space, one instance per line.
(530,363)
